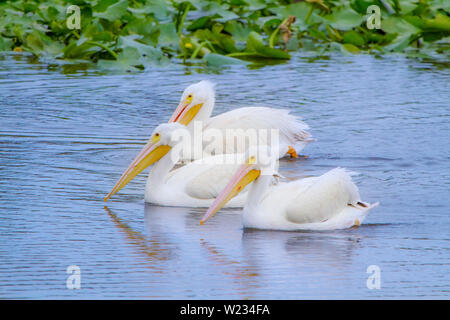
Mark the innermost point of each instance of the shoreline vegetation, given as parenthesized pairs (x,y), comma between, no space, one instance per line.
(132,35)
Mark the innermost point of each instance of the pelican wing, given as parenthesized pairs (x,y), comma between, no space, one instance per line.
(292,131)
(324,198)
(209,183)
(205,178)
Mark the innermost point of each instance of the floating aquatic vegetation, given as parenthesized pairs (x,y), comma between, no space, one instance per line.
(136,34)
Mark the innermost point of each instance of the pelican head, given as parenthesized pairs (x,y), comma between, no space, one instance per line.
(197,100)
(163,139)
(259,161)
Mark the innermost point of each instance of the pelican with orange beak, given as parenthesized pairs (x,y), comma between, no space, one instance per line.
(330,201)
(197,103)
(193,185)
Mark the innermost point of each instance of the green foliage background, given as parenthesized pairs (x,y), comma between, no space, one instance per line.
(135,34)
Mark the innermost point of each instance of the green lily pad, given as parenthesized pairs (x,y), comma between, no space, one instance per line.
(221,10)
(238,31)
(308,44)
(353,37)
(255,46)
(398,25)
(161,9)
(439,4)
(190,30)
(149,53)
(102,5)
(214,59)
(114,11)
(300,11)
(315,33)
(81,49)
(399,43)
(127,60)
(5,44)
(41,44)
(361,6)
(378,38)
(129,55)
(254,5)
(403,29)
(293,44)
(97,33)
(439,23)
(144,26)
(52,12)
(220,41)
(407,6)
(200,23)
(168,36)
(350,48)
(344,19)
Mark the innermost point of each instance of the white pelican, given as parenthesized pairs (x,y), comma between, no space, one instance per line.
(193,185)
(197,103)
(330,201)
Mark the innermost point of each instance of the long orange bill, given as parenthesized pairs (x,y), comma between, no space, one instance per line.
(245,175)
(178,112)
(184,115)
(150,154)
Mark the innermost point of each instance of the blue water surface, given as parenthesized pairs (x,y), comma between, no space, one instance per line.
(66,137)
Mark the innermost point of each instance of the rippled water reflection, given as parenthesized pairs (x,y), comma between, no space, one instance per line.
(66,138)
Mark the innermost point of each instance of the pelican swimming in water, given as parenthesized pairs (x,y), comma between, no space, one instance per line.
(330,201)
(195,184)
(197,103)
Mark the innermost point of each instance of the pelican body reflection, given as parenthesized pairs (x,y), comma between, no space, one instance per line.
(224,258)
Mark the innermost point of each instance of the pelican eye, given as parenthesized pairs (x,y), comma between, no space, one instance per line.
(252,160)
(156,137)
(189,98)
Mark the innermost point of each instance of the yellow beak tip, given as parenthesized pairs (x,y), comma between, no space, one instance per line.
(105,199)
(201,222)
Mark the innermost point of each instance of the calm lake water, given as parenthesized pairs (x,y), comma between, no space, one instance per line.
(65,138)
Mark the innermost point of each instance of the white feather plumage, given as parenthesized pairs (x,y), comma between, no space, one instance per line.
(330,201)
(292,130)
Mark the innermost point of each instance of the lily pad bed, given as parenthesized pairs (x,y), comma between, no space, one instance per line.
(137,34)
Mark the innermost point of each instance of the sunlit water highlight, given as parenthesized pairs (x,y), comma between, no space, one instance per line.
(66,138)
